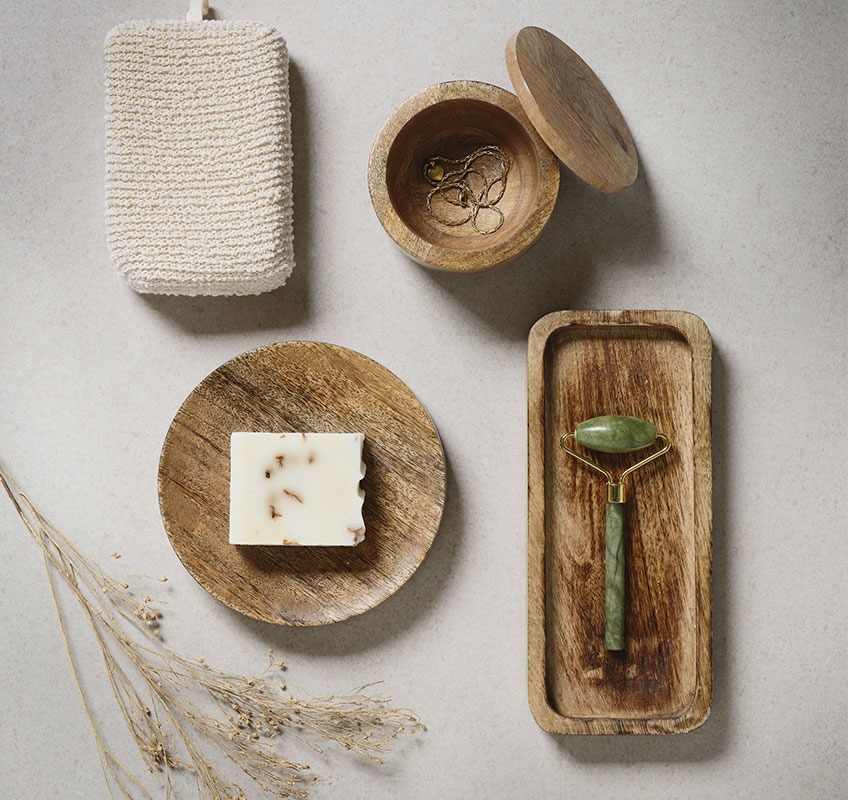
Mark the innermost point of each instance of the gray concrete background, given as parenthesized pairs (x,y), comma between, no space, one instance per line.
(739,114)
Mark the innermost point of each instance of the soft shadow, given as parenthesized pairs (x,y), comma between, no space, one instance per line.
(288,305)
(402,611)
(587,229)
(716,734)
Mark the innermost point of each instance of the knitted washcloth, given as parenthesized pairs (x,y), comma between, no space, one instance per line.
(198,157)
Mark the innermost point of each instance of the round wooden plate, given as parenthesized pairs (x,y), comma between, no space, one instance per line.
(303,386)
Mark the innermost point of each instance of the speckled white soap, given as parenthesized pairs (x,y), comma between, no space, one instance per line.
(296,488)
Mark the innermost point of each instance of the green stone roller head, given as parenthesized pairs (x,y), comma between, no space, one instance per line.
(615,434)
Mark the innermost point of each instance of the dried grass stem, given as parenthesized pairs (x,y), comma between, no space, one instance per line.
(186,715)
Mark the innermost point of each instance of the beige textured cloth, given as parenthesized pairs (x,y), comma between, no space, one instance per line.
(198,157)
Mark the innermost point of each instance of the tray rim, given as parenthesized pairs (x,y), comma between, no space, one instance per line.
(694,330)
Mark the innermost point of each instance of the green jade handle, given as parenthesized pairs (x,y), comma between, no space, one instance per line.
(614,582)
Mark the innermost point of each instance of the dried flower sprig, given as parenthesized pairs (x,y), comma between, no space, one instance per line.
(185,715)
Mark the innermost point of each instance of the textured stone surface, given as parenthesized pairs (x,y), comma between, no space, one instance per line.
(616,434)
(738,112)
(614,600)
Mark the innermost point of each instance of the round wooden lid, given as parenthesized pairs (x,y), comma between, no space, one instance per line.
(303,386)
(572,110)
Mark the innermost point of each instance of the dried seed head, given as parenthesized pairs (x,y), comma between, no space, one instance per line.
(175,685)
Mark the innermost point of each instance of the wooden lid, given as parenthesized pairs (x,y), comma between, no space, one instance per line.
(572,110)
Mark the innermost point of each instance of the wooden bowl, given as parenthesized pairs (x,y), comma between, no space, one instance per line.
(452,120)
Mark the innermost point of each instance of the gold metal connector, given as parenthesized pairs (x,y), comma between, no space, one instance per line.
(616,493)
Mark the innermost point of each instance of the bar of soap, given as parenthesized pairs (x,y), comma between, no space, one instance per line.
(296,488)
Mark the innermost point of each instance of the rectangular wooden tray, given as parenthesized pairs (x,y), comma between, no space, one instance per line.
(650,364)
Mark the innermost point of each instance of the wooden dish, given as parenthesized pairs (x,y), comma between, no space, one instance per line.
(654,365)
(303,386)
(562,110)
(452,120)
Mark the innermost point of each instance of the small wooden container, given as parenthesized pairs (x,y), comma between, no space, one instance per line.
(562,110)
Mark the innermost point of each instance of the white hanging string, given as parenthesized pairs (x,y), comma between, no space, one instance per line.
(196,10)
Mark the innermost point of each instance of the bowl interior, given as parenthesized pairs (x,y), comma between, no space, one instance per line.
(453,129)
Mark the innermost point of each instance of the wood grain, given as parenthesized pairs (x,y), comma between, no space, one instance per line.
(572,110)
(654,365)
(303,386)
(454,119)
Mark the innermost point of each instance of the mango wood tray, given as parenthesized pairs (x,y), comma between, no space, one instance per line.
(303,386)
(650,364)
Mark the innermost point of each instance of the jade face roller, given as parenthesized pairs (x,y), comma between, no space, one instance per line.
(614,434)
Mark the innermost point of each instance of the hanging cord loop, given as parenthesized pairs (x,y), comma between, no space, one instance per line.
(197,10)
